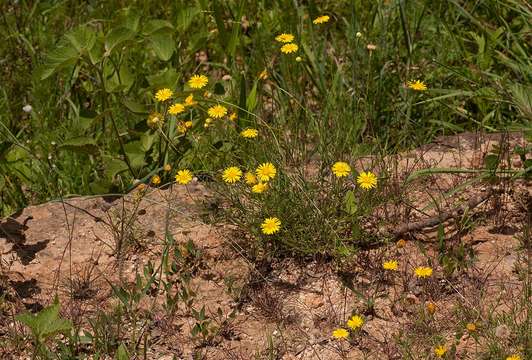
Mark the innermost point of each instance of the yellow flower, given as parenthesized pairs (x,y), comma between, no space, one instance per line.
(341,169)
(289,48)
(183,177)
(163,94)
(285,38)
(401,243)
(367,180)
(249,133)
(189,100)
(217,111)
(155,180)
(299,59)
(251,179)
(270,225)
(266,171)
(167,167)
(440,350)
(155,119)
(390,265)
(513,357)
(176,109)
(263,75)
(207,94)
(431,307)
(423,272)
(355,322)
(417,85)
(259,188)
(198,81)
(321,19)
(232,174)
(471,327)
(208,122)
(233,116)
(340,334)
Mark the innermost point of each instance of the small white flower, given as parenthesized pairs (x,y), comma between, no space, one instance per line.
(27,108)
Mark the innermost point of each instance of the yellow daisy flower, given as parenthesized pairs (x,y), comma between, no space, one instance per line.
(513,357)
(163,94)
(249,133)
(263,75)
(321,19)
(189,100)
(176,109)
(155,119)
(198,81)
(340,334)
(355,322)
(423,272)
(271,225)
(417,85)
(341,169)
(259,188)
(250,178)
(155,180)
(217,111)
(440,350)
(431,307)
(367,180)
(471,327)
(232,174)
(266,171)
(183,177)
(390,265)
(289,48)
(233,116)
(285,38)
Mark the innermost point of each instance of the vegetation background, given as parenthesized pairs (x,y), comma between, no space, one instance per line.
(77,105)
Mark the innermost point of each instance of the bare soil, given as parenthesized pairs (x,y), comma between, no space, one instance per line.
(282,309)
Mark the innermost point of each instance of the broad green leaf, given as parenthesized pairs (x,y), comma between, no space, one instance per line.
(82,38)
(162,43)
(80,144)
(350,203)
(45,323)
(117,36)
(185,17)
(135,107)
(121,353)
(153,26)
(147,140)
(167,78)
(113,166)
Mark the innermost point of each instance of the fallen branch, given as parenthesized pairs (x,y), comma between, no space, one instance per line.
(432,221)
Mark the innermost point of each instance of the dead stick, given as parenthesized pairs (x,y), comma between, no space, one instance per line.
(440,218)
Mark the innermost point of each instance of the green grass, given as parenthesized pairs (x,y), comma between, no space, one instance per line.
(341,99)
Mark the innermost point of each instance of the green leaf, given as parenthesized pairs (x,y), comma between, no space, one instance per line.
(155,25)
(82,38)
(117,36)
(45,323)
(80,144)
(491,161)
(251,100)
(135,107)
(185,17)
(167,78)
(350,203)
(147,140)
(162,44)
(121,353)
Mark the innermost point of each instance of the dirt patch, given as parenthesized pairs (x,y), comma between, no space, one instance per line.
(286,309)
